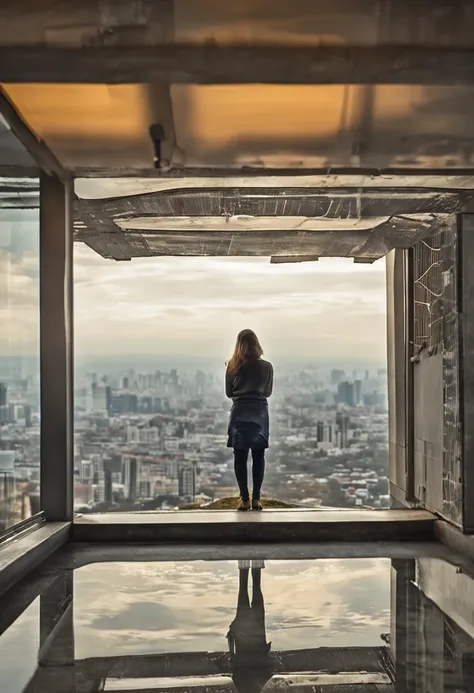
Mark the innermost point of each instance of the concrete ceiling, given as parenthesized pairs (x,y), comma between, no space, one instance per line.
(101,129)
(288,128)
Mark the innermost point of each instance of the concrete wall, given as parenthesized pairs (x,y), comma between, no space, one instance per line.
(428,431)
(436,372)
(466,228)
(425,357)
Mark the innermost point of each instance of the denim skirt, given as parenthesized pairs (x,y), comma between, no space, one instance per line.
(249,426)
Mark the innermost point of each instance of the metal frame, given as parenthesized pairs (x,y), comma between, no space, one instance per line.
(56,347)
(238,64)
(409,376)
(466,365)
(23,527)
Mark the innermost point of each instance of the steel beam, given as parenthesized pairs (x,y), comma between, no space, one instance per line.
(210,64)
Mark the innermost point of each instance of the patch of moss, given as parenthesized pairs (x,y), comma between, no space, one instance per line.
(231,503)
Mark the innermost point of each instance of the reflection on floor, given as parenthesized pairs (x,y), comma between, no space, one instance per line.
(325,625)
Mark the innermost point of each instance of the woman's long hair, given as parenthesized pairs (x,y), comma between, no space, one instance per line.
(247,347)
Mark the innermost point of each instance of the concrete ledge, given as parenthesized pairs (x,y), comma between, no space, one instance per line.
(268,526)
(19,556)
(454,539)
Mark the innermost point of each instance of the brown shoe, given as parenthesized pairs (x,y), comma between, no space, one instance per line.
(243,505)
(256,505)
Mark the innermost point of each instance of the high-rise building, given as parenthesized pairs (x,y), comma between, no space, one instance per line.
(320,431)
(357,392)
(187,482)
(108,486)
(345,393)
(130,472)
(125,403)
(102,398)
(86,472)
(324,432)
(3,395)
(342,429)
(28,415)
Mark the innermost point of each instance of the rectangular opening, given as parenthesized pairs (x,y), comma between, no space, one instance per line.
(152,338)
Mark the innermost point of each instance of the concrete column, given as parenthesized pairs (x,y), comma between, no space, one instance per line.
(56,343)
(403,604)
(400,376)
(466,366)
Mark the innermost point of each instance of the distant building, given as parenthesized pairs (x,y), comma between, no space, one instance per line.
(101,398)
(345,393)
(6,414)
(108,486)
(342,429)
(3,395)
(324,432)
(27,415)
(130,471)
(357,392)
(320,431)
(125,404)
(187,482)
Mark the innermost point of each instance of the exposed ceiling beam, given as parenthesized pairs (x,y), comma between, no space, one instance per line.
(99,189)
(249,223)
(284,259)
(211,64)
(397,232)
(436,177)
(327,203)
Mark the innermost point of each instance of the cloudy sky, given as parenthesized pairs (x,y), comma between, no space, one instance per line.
(168,308)
(133,608)
(188,606)
(331,311)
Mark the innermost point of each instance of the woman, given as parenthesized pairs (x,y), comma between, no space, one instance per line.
(248,382)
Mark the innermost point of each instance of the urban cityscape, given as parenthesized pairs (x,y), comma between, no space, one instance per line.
(156,440)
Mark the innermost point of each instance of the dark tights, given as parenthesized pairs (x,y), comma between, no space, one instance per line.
(258,472)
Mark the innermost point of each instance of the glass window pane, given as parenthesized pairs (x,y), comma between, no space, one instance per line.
(19,350)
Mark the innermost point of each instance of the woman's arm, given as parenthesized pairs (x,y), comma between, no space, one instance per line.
(269,382)
(228,384)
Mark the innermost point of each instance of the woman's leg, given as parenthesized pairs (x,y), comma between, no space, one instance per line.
(240,468)
(258,472)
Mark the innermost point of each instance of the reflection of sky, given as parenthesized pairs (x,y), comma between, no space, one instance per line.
(19,651)
(132,608)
